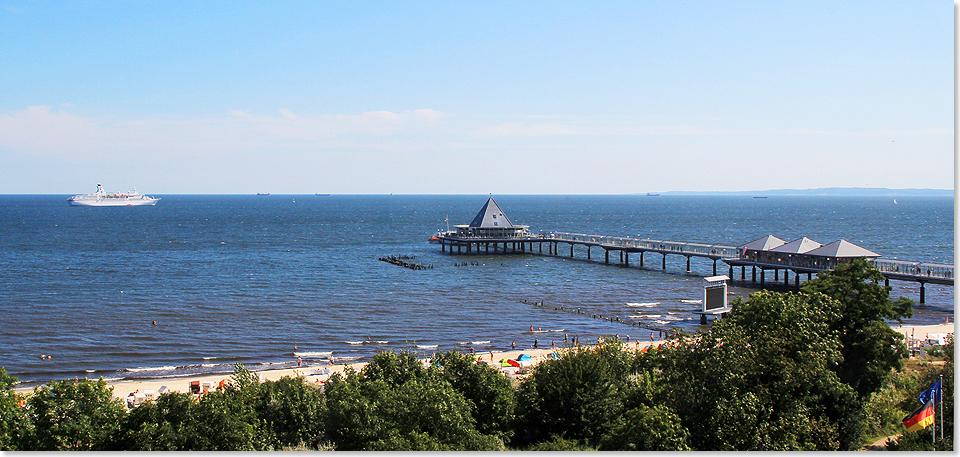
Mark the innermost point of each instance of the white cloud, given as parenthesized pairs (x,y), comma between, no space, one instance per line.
(41,130)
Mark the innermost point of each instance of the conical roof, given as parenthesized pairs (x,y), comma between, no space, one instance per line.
(801,246)
(763,244)
(491,216)
(842,248)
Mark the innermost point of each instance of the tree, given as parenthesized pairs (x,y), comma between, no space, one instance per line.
(870,348)
(576,397)
(761,379)
(646,429)
(74,416)
(166,424)
(244,415)
(488,391)
(292,412)
(395,403)
(15,428)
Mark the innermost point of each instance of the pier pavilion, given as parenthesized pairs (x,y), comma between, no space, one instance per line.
(490,228)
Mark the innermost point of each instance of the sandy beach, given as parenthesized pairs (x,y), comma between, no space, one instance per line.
(320,372)
(314,372)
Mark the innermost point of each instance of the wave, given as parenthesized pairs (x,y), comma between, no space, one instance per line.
(346,359)
(692,302)
(643,305)
(315,354)
(141,369)
(428,346)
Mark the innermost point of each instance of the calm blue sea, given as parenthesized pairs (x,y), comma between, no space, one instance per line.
(246,278)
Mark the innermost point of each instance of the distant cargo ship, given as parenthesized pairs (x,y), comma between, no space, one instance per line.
(101,198)
(652,194)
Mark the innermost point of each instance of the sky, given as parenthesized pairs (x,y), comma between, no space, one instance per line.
(493,97)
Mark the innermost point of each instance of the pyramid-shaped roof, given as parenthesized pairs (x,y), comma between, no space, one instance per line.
(763,244)
(842,248)
(801,246)
(491,216)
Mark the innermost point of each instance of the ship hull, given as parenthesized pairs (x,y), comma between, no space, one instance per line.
(118,202)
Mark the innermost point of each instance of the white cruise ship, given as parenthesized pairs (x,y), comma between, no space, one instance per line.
(101,198)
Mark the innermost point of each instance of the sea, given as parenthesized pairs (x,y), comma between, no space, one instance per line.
(199,283)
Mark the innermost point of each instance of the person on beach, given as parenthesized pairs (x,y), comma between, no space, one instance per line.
(535,343)
(513,345)
(299,361)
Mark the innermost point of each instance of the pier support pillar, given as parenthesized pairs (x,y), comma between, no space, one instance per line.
(886,282)
(743,272)
(541,247)
(776,274)
(641,259)
(923,294)
(731,272)
(443,246)
(486,246)
(715,267)
(762,271)
(626,259)
(571,250)
(688,264)
(588,252)
(664,261)
(796,281)
(754,279)
(786,281)
(606,256)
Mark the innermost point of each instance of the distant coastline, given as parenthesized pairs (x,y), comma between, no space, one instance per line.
(827,192)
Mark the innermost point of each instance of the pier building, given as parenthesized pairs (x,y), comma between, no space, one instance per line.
(490,228)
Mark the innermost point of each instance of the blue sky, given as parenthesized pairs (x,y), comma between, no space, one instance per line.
(475,98)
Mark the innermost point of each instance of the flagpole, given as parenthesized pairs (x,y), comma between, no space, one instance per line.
(940,394)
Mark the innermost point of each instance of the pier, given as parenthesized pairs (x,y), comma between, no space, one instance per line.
(492,233)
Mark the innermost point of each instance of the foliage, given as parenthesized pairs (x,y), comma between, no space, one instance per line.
(646,429)
(870,348)
(922,440)
(166,424)
(761,379)
(16,430)
(395,403)
(74,415)
(490,394)
(245,415)
(292,412)
(576,397)
(556,443)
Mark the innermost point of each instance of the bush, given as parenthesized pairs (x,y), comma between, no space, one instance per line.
(74,416)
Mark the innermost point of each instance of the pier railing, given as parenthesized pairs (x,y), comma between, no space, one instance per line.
(678,247)
(934,271)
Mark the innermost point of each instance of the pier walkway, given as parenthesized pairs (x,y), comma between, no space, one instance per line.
(733,256)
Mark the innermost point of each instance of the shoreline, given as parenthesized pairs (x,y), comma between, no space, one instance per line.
(320,372)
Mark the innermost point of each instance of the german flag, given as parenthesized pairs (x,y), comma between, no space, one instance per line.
(919,419)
